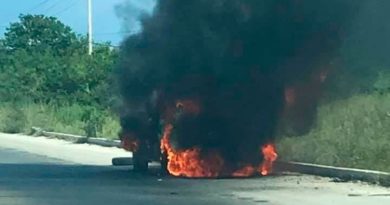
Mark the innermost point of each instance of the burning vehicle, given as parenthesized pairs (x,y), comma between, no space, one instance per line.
(206,84)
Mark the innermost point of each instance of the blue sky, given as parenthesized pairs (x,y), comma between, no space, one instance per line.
(107,25)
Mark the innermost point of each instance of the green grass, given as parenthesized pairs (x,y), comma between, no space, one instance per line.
(66,119)
(353,132)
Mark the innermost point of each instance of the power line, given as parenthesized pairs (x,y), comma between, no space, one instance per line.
(74,3)
(114,33)
(109,45)
(36,6)
(51,7)
(109,34)
(29,10)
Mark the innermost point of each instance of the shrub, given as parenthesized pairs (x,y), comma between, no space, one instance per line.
(93,120)
(15,121)
(352,133)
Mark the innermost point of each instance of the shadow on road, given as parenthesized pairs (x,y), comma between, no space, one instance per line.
(47,184)
(58,171)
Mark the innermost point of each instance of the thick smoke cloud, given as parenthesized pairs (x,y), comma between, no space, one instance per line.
(224,72)
(365,52)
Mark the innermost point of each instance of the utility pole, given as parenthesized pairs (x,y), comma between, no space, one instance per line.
(90,46)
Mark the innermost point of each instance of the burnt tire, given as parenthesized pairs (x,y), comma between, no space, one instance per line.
(122,161)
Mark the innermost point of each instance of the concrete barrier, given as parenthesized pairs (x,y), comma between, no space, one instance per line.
(339,174)
(36,131)
(104,142)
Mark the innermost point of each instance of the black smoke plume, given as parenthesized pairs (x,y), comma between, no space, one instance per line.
(225,72)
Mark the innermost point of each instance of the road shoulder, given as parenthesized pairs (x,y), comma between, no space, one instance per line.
(74,153)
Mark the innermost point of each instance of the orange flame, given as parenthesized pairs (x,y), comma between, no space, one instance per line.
(189,162)
(270,155)
(193,163)
(246,171)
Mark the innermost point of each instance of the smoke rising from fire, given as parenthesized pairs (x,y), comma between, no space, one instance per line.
(225,72)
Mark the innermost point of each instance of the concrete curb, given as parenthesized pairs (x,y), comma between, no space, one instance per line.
(104,142)
(340,174)
(36,131)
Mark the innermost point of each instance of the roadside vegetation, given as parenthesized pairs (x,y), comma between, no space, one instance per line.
(48,80)
(73,119)
(352,127)
(351,132)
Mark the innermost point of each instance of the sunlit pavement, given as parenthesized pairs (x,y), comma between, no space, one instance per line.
(32,179)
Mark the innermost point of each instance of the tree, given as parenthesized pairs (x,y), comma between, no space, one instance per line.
(44,60)
(38,33)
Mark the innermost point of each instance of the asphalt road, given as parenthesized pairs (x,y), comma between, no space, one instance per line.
(33,179)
